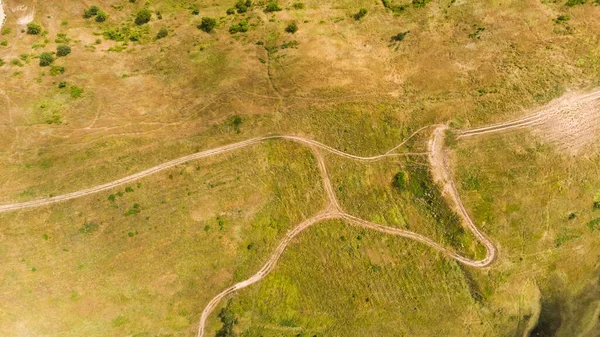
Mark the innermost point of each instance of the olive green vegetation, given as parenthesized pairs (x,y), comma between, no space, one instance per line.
(542,216)
(140,252)
(144,260)
(375,192)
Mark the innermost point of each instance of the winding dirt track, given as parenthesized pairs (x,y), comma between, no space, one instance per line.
(439,168)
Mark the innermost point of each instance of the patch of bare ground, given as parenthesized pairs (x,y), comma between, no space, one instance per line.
(571,123)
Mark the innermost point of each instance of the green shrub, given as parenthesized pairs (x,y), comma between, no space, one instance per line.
(62,84)
(291,28)
(4,43)
(272,6)
(76,91)
(63,50)
(195,10)
(89,12)
(229,320)
(298,5)
(46,59)
(230,11)
(572,3)
(242,6)
(361,13)
(101,17)
(419,3)
(240,27)
(399,181)
(5,31)
(143,16)
(208,24)
(400,36)
(33,28)
(56,70)
(2,62)
(163,32)
(88,227)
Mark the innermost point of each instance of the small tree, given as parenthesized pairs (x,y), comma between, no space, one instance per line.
(399,181)
(361,13)
(33,28)
(272,6)
(400,36)
(195,10)
(163,32)
(208,24)
(46,59)
(292,28)
(143,16)
(63,50)
(89,12)
(101,16)
(230,11)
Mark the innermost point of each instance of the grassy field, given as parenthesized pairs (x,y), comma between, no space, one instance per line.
(144,259)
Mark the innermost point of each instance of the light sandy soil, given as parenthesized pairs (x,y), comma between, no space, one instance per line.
(2,14)
(571,123)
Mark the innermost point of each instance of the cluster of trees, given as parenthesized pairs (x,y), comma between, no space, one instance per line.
(95,11)
(240,27)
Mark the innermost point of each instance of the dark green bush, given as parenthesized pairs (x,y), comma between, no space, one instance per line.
(399,181)
(195,10)
(361,13)
(63,50)
(62,84)
(46,59)
(400,36)
(298,5)
(240,27)
(33,28)
(208,24)
(163,32)
(89,12)
(291,28)
(230,11)
(572,3)
(143,16)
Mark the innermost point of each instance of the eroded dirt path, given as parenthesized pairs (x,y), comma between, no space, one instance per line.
(332,210)
(571,123)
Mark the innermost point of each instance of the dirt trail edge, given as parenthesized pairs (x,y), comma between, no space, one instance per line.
(442,176)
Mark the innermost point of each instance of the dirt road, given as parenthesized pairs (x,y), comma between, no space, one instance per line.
(332,210)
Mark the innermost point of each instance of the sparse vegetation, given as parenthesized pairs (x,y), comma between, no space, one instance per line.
(57,70)
(76,91)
